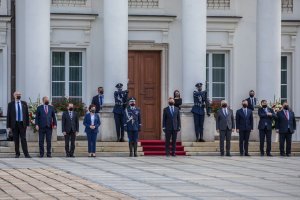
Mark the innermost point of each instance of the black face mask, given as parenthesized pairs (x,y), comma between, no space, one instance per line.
(101,92)
(70,109)
(171,104)
(132,104)
(224,105)
(251,95)
(286,107)
(18,97)
(93,111)
(245,105)
(46,102)
(264,106)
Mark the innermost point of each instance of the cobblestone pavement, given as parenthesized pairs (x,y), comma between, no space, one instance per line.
(151,178)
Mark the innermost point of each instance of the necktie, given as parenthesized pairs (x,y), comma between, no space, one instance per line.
(19,111)
(70,115)
(252,102)
(245,112)
(286,114)
(46,109)
(225,112)
(172,110)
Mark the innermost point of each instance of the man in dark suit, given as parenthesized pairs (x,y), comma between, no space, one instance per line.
(244,126)
(171,125)
(17,122)
(200,102)
(45,120)
(98,100)
(285,126)
(225,125)
(119,108)
(266,115)
(251,100)
(70,128)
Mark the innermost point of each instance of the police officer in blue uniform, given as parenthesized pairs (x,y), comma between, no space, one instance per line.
(200,102)
(120,104)
(132,125)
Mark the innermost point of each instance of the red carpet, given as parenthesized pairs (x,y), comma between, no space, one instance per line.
(157,148)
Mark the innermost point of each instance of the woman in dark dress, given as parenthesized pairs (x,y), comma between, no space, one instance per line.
(178,99)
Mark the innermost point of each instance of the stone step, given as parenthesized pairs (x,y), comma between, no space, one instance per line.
(77,154)
(234,149)
(216,144)
(234,153)
(62,144)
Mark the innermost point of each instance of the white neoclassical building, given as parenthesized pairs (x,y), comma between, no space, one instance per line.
(70,47)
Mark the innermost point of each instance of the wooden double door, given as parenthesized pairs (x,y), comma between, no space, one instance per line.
(144,74)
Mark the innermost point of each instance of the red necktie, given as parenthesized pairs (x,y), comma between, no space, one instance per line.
(46,109)
(286,114)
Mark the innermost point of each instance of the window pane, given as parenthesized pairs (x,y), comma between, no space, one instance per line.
(75,89)
(58,89)
(207,74)
(58,73)
(58,58)
(75,59)
(283,77)
(218,60)
(207,60)
(284,91)
(218,75)
(218,90)
(283,62)
(75,74)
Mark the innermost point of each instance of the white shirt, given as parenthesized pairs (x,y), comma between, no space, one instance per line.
(93,119)
(16,105)
(245,111)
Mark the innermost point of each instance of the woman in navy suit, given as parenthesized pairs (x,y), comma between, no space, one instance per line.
(91,122)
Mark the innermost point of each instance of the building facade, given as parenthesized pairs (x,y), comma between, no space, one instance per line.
(68,48)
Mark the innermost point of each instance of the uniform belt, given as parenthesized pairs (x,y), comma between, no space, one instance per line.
(119,104)
(199,104)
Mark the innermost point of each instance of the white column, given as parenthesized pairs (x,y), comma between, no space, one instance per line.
(268,52)
(115,46)
(33,48)
(193,46)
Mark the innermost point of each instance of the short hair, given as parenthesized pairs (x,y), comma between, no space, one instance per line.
(100,87)
(251,91)
(223,101)
(44,98)
(245,100)
(91,106)
(170,98)
(262,101)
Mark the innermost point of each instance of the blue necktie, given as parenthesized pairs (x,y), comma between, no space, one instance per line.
(172,111)
(19,112)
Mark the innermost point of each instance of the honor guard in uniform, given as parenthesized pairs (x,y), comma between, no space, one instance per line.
(200,102)
(120,105)
(132,125)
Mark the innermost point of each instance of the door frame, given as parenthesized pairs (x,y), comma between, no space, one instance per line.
(164,79)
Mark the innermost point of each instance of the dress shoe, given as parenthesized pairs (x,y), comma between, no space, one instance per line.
(174,155)
(17,156)
(247,154)
(288,155)
(72,156)
(228,155)
(269,155)
(41,156)
(262,154)
(122,140)
(27,156)
(282,154)
(49,156)
(201,140)
(241,154)
(222,154)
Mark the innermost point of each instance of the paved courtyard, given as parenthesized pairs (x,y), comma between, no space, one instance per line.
(151,178)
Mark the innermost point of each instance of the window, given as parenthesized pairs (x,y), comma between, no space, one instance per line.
(67,68)
(216,75)
(285,77)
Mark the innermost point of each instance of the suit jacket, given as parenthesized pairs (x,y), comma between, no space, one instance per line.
(250,106)
(44,119)
(265,120)
(69,124)
(171,122)
(244,123)
(283,124)
(225,122)
(87,122)
(96,102)
(12,114)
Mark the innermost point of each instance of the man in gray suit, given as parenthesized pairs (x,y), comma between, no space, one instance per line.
(225,125)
